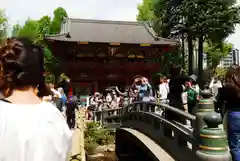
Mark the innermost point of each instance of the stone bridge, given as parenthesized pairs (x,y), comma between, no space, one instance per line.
(143,134)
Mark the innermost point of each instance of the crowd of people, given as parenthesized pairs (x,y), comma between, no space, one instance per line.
(35,118)
(183,92)
(142,90)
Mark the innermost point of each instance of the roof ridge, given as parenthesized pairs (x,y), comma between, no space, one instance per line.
(139,32)
(54,35)
(106,21)
(153,33)
(150,30)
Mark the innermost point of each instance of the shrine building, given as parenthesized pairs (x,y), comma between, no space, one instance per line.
(96,54)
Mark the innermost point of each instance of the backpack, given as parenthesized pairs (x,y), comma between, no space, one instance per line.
(191,95)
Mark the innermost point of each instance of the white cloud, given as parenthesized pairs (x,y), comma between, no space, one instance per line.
(21,10)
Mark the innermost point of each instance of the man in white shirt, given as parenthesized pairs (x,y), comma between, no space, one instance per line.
(214,86)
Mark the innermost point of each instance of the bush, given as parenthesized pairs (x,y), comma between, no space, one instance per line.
(110,139)
(98,135)
(93,125)
(90,147)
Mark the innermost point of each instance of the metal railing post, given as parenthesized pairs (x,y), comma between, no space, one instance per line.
(204,107)
(212,143)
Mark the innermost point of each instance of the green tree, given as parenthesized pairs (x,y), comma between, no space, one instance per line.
(36,30)
(59,15)
(165,18)
(43,27)
(145,11)
(51,66)
(158,13)
(50,61)
(211,20)
(220,72)
(197,20)
(215,52)
(29,30)
(3,25)
(33,29)
(16,29)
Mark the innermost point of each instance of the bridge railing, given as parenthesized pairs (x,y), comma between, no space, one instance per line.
(109,117)
(168,128)
(174,136)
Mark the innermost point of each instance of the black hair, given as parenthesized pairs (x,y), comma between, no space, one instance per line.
(22,65)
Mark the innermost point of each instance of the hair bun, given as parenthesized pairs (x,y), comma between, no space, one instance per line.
(21,63)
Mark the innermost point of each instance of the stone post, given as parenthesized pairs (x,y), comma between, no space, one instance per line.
(204,107)
(212,143)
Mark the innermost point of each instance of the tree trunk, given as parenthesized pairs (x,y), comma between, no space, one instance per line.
(190,54)
(200,61)
(183,51)
(56,76)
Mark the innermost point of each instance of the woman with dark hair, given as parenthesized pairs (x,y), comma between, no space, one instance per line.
(176,83)
(232,96)
(30,128)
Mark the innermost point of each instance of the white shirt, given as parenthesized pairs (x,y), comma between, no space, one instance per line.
(214,87)
(33,133)
(163,91)
(184,95)
(218,84)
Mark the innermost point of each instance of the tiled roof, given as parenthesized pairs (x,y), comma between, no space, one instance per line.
(104,31)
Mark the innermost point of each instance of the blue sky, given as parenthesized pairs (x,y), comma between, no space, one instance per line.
(18,11)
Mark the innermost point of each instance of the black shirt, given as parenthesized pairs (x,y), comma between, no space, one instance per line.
(176,89)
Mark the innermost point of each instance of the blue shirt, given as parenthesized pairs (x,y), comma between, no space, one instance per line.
(144,91)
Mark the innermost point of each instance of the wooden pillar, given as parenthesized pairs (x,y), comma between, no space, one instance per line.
(70,91)
(95,86)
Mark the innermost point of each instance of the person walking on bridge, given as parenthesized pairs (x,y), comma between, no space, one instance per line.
(176,83)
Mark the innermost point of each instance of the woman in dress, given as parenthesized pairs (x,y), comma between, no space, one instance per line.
(30,129)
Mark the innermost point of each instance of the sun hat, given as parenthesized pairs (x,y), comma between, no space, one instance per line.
(193,77)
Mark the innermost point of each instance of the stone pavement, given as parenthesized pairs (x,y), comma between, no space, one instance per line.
(78,151)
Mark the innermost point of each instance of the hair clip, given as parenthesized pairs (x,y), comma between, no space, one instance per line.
(19,75)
